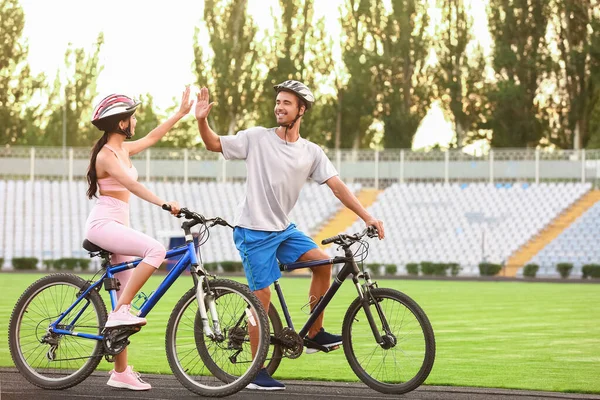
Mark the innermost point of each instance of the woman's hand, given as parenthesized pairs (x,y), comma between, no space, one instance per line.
(186,102)
(203,105)
(174,207)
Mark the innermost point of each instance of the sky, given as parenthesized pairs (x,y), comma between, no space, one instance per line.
(148,44)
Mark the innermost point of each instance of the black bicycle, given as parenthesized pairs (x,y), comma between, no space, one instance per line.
(387,338)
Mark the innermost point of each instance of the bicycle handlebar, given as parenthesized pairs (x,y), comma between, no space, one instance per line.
(197,218)
(346,240)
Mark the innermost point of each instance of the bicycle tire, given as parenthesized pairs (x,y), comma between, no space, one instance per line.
(356,334)
(274,353)
(204,375)
(25,316)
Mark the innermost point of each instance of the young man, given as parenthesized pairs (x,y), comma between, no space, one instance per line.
(279,161)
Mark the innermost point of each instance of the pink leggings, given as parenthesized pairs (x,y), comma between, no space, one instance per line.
(108,227)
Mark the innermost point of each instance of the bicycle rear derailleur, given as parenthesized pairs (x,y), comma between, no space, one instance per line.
(117,339)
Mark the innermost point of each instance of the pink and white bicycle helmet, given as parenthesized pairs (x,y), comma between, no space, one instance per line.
(115,104)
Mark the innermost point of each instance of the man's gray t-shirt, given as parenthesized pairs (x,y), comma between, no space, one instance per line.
(276,172)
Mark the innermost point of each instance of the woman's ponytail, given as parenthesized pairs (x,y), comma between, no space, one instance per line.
(92,177)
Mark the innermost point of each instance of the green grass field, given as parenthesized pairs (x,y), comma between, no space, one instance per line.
(541,336)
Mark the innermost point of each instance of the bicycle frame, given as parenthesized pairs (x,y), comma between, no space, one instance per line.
(350,268)
(188,258)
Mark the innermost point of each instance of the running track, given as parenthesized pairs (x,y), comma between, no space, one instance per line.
(14,387)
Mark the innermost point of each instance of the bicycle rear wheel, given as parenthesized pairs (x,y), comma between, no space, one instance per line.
(53,361)
(275,352)
(217,367)
(405,359)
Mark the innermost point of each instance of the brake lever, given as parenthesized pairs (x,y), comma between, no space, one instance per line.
(372,231)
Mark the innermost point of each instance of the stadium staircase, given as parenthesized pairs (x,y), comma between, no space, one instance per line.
(345,218)
(550,232)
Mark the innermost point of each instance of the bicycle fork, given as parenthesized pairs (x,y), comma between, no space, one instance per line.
(387,340)
(203,298)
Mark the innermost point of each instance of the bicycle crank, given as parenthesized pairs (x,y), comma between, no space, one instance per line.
(292,344)
(117,339)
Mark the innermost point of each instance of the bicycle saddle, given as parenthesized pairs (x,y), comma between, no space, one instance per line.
(92,248)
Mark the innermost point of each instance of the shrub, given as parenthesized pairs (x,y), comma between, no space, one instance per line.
(22,263)
(454,269)
(412,268)
(564,269)
(1,262)
(231,266)
(390,269)
(211,266)
(440,269)
(373,268)
(68,263)
(590,270)
(48,264)
(530,270)
(427,268)
(489,269)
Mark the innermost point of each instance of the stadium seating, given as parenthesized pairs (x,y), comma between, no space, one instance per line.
(46,219)
(463,223)
(577,245)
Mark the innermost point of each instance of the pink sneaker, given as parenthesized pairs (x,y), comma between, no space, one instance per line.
(122,317)
(127,379)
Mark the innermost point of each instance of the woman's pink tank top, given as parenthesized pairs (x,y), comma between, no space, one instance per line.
(110,184)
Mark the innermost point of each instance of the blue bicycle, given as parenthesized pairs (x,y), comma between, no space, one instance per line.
(57,336)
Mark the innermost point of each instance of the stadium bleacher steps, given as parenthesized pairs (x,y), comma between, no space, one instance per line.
(550,232)
(345,218)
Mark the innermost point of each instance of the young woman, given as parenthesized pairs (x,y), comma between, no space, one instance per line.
(112,173)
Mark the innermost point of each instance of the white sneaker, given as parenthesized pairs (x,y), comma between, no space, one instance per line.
(128,379)
(122,317)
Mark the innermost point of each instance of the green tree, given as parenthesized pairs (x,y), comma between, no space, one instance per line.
(402,71)
(397,52)
(230,71)
(17,84)
(72,97)
(594,81)
(300,50)
(521,60)
(147,119)
(184,134)
(357,98)
(459,74)
(573,22)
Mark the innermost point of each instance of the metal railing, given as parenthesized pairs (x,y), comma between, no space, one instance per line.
(372,168)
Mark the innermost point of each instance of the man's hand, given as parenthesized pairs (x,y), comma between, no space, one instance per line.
(378,224)
(203,106)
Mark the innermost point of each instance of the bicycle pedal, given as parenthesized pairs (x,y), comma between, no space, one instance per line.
(313,347)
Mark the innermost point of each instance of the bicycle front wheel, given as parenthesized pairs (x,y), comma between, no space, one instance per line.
(404,360)
(217,366)
(48,360)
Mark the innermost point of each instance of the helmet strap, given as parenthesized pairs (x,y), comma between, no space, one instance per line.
(291,125)
(126,131)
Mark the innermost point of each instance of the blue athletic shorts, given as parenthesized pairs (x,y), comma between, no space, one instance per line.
(260,251)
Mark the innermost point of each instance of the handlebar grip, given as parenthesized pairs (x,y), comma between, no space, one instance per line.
(166,207)
(372,231)
(330,240)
